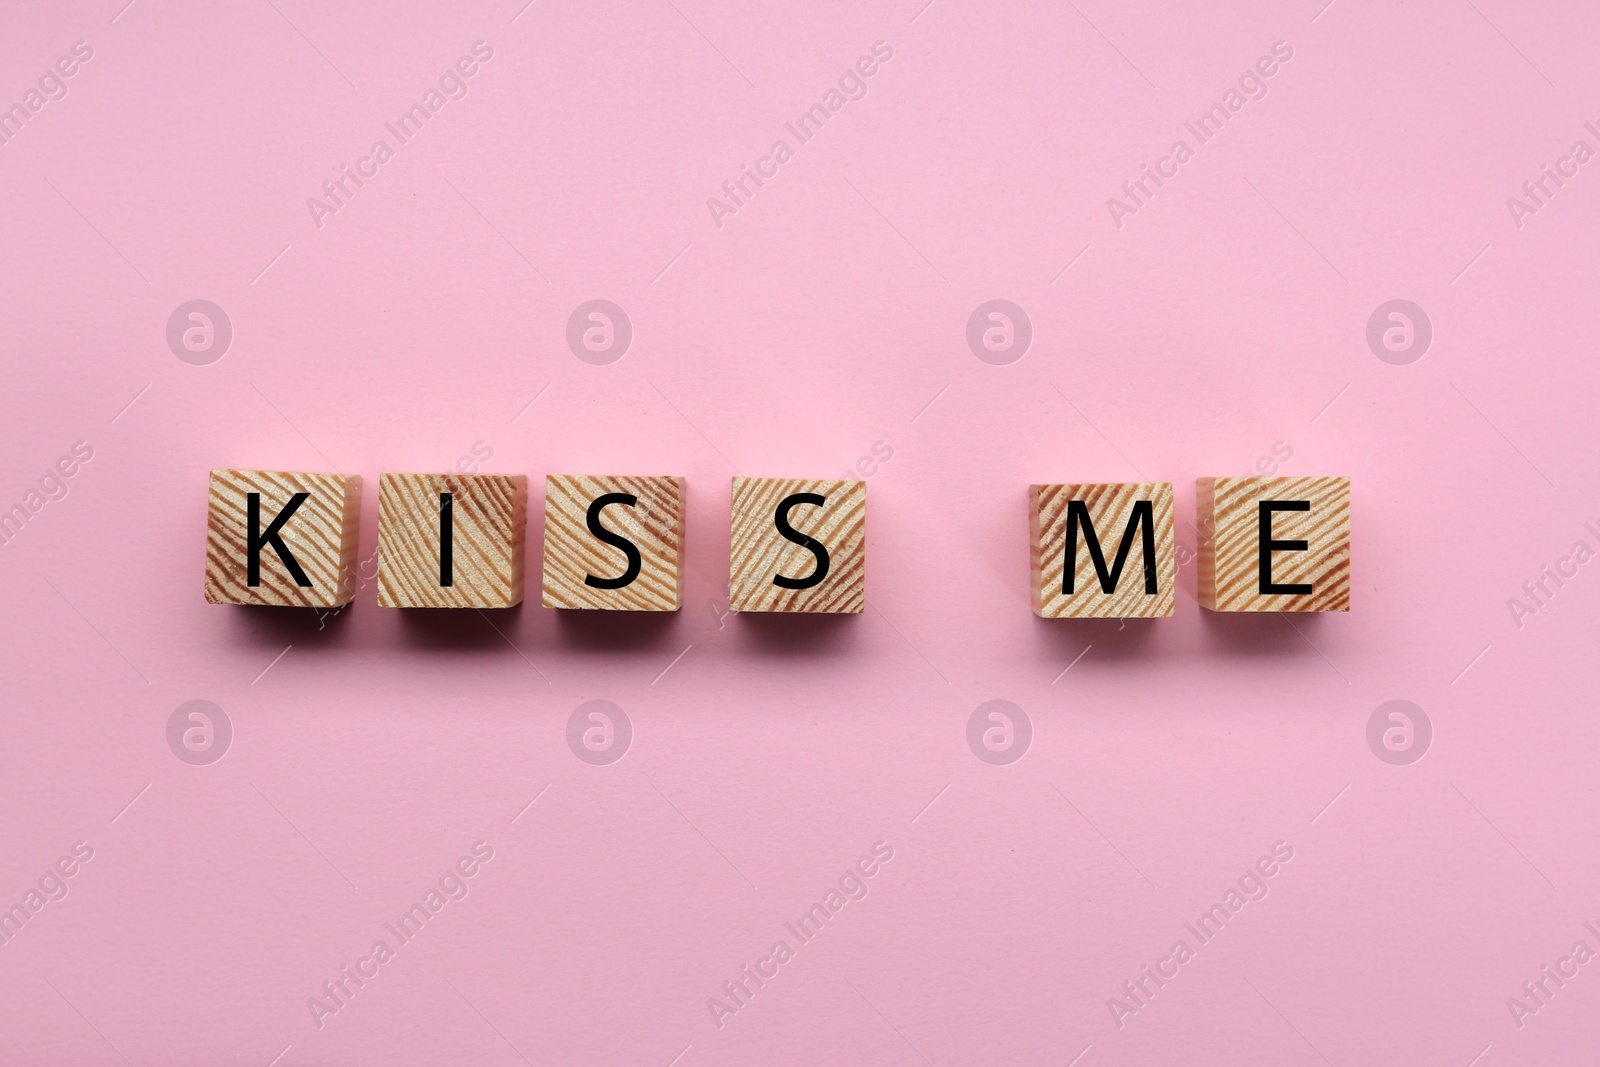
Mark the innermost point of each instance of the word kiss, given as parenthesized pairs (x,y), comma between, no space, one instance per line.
(616,543)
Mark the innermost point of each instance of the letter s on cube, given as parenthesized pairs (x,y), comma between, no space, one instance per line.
(613,542)
(798,545)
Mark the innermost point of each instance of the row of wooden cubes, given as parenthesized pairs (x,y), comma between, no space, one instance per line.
(287,538)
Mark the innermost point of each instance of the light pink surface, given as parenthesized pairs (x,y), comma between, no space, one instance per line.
(825,316)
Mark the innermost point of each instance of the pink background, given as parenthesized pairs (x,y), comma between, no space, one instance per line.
(827,315)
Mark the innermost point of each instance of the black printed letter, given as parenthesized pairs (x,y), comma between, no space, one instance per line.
(810,543)
(447,539)
(1078,512)
(1268,544)
(256,540)
(628,548)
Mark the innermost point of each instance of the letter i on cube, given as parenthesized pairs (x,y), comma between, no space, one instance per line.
(451,540)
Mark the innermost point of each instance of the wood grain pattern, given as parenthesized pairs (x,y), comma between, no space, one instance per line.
(1231,544)
(758,552)
(572,554)
(489,517)
(320,535)
(1110,508)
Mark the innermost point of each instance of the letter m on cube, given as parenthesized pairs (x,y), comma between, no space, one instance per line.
(1102,550)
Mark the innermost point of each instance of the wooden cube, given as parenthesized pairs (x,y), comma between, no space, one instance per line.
(451,540)
(1274,544)
(1103,551)
(798,546)
(613,542)
(282,538)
